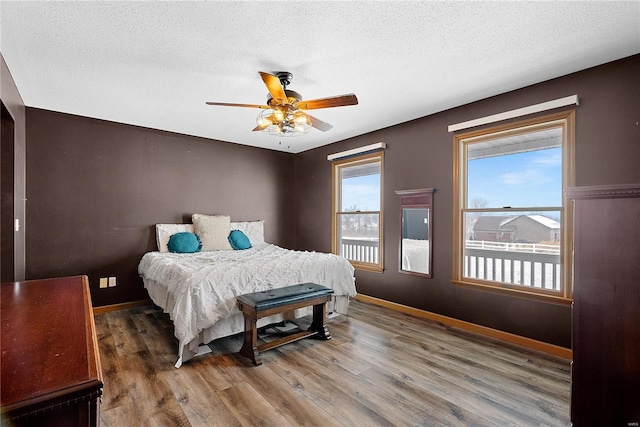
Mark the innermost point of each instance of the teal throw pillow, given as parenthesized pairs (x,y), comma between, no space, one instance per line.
(184,243)
(239,240)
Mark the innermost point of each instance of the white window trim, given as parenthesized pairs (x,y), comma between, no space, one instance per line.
(520,112)
(356,151)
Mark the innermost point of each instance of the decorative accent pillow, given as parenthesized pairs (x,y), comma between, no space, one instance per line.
(239,240)
(184,243)
(254,230)
(213,231)
(165,231)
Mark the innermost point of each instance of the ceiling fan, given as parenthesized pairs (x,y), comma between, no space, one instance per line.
(283,115)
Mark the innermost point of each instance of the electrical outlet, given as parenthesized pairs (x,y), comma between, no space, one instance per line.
(103,282)
(112,282)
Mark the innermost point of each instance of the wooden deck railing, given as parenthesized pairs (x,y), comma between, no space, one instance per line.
(514,247)
(525,264)
(539,270)
(362,250)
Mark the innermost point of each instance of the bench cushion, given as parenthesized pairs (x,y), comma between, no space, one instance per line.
(282,296)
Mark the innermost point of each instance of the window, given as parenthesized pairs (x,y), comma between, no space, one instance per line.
(357,210)
(511,220)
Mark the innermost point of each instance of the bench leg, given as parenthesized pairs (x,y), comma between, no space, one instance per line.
(319,322)
(250,346)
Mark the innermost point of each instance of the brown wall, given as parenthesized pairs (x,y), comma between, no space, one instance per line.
(96,188)
(14,105)
(7,156)
(419,155)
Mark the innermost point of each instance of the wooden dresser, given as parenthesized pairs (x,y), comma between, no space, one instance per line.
(605,377)
(50,361)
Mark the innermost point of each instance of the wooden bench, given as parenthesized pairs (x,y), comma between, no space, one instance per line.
(261,304)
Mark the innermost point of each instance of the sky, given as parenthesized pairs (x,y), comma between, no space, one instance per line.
(361,191)
(530,179)
(517,180)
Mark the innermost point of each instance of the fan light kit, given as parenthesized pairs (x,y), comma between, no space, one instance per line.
(283,122)
(283,115)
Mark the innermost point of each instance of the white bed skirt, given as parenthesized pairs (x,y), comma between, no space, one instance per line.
(230,325)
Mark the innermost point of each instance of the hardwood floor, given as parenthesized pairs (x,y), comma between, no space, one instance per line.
(381,367)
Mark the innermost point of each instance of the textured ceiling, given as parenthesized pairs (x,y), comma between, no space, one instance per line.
(154,64)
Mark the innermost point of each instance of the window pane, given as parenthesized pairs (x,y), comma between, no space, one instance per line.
(357,214)
(359,237)
(360,187)
(519,171)
(517,248)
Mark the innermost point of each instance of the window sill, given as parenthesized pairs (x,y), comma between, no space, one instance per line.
(367,267)
(517,292)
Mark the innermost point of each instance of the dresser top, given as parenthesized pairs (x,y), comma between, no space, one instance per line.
(49,347)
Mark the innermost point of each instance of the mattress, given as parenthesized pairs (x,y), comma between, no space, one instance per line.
(199,290)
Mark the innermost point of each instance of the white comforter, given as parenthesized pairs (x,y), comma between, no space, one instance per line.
(203,286)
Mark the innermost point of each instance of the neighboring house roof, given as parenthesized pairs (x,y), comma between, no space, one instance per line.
(493,223)
(503,223)
(548,222)
(543,220)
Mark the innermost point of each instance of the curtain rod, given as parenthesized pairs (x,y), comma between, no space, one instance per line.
(359,150)
(549,105)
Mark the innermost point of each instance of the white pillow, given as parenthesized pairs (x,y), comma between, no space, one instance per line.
(254,230)
(165,231)
(213,231)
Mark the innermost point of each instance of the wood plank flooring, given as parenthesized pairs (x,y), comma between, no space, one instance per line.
(381,368)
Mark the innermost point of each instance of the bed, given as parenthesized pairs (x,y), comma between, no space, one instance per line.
(415,255)
(198,290)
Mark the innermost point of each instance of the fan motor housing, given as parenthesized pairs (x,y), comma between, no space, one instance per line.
(292,97)
(285,77)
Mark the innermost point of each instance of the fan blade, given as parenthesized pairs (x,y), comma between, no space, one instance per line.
(227,104)
(333,101)
(319,124)
(275,87)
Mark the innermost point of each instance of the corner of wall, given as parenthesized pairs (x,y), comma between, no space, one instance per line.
(15,105)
